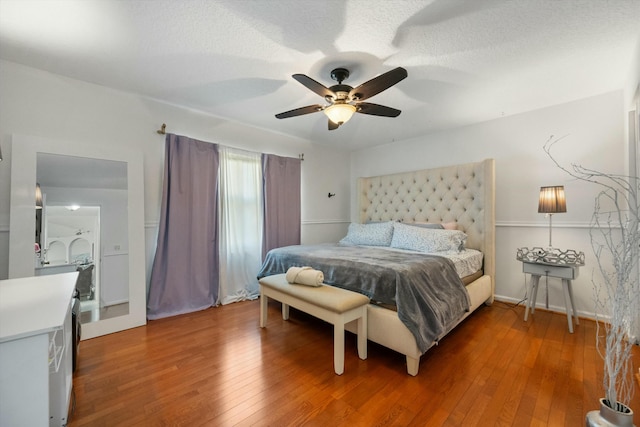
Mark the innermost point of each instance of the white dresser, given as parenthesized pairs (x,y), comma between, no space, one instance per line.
(36,350)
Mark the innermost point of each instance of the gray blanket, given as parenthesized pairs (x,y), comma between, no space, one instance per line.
(429,296)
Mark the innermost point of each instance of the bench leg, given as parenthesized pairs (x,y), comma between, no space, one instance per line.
(285,311)
(338,348)
(362,334)
(263,310)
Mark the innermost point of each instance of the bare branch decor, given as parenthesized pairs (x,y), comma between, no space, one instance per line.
(615,239)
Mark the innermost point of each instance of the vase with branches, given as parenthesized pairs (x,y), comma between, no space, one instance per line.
(615,239)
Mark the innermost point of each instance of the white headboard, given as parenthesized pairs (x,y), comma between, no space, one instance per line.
(462,193)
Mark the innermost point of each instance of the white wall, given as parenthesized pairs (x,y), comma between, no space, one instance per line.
(632,102)
(33,102)
(632,84)
(37,103)
(594,130)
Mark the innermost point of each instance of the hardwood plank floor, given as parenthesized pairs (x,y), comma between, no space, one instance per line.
(218,368)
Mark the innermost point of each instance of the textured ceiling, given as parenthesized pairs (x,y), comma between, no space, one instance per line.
(468,61)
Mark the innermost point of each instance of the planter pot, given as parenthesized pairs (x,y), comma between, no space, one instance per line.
(608,417)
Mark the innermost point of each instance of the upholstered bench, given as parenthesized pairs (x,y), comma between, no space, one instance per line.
(333,305)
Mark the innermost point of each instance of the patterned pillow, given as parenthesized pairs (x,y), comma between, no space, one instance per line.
(446,225)
(425,225)
(373,234)
(427,240)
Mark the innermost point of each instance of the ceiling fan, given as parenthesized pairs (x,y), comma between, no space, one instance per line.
(345,100)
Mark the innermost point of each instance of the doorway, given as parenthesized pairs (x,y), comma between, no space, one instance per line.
(72,238)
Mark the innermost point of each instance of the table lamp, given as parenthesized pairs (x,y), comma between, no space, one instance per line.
(552,201)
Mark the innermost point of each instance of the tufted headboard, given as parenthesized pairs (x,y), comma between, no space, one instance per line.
(462,193)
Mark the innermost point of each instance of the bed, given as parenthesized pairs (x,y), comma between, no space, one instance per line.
(462,195)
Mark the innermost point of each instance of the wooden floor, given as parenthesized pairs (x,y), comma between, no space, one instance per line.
(218,368)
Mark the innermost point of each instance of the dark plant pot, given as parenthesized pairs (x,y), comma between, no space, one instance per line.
(622,416)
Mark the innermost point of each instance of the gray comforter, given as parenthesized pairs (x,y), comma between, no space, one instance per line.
(429,296)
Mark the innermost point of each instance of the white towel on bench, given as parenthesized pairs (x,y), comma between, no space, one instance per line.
(305,276)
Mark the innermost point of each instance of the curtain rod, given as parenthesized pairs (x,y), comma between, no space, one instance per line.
(163,128)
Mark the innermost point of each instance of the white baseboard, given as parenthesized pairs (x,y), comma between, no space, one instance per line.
(554,308)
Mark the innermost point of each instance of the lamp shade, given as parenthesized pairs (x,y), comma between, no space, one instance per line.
(340,113)
(552,200)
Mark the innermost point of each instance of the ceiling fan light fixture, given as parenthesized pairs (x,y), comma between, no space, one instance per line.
(340,113)
(343,100)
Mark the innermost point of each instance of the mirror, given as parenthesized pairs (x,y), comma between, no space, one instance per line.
(84,228)
(103,238)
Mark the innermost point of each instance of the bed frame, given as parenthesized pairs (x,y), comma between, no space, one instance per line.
(462,193)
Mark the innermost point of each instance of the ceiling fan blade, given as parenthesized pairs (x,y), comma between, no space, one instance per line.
(300,111)
(333,126)
(378,84)
(376,110)
(314,86)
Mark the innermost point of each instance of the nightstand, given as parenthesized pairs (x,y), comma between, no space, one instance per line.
(564,272)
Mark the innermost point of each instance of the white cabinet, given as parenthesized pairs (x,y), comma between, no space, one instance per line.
(60,372)
(36,350)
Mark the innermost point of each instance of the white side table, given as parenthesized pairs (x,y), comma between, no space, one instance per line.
(565,272)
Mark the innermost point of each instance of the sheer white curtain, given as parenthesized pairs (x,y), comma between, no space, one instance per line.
(241,220)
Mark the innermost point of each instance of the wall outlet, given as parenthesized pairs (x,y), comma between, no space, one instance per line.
(116,247)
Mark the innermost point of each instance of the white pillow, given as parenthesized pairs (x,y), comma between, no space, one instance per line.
(427,240)
(374,234)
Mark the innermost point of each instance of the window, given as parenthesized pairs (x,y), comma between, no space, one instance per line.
(241,220)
